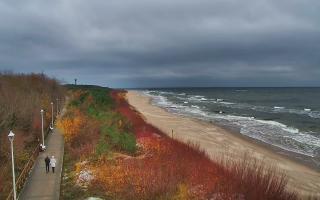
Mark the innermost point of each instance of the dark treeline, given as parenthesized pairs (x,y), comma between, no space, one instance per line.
(22,96)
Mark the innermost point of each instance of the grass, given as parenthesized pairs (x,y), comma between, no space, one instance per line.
(102,147)
(119,140)
(100,99)
(253,179)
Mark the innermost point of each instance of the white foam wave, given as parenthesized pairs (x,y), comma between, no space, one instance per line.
(196,98)
(181,98)
(278,124)
(314,114)
(271,132)
(308,112)
(278,107)
(241,90)
(227,103)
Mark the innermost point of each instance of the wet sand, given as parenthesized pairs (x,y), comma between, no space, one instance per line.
(217,141)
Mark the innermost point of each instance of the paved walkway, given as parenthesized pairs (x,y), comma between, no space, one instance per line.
(41,185)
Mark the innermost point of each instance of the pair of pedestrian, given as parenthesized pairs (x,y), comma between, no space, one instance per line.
(50,162)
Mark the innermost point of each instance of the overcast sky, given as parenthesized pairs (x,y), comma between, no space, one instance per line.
(161,43)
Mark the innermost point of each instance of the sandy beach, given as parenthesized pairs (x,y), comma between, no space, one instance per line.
(218,141)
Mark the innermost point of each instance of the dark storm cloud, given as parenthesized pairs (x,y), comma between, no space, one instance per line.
(164,43)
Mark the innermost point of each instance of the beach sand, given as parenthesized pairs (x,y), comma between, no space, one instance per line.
(218,141)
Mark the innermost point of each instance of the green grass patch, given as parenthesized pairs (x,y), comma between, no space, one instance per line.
(80,101)
(119,140)
(102,147)
(115,135)
(101,97)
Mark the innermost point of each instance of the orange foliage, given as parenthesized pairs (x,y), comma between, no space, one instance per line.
(71,125)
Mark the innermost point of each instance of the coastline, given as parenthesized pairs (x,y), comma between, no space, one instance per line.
(217,141)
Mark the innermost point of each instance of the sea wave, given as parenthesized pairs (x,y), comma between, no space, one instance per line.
(276,109)
(241,90)
(223,102)
(268,131)
(274,133)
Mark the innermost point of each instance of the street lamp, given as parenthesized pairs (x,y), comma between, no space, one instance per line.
(51,127)
(43,147)
(11,137)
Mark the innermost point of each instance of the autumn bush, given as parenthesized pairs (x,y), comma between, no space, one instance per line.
(72,124)
(253,179)
(92,129)
(163,170)
(22,97)
(92,109)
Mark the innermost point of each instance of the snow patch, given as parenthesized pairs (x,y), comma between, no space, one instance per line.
(84,178)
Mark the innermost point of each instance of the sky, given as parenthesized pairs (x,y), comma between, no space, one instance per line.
(164,43)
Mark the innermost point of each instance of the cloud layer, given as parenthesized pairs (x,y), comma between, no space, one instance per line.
(143,43)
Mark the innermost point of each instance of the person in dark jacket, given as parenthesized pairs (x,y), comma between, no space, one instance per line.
(47,161)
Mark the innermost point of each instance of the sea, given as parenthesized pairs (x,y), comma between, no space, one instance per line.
(285,118)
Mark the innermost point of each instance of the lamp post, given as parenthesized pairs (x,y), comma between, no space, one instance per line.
(11,137)
(51,127)
(42,127)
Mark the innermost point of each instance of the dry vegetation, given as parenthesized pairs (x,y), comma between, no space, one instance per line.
(22,97)
(123,157)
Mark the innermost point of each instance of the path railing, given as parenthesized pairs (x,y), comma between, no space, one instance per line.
(25,172)
(27,169)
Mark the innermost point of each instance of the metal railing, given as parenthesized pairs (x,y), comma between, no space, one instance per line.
(25,172)
(24,175)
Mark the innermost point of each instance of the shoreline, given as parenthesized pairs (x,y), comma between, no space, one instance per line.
(293,156)
(217,140)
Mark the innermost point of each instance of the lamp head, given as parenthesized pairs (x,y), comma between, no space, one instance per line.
(11,136)
(41,111)
(51,103)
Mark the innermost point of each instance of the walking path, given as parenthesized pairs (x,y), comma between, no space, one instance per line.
(42,185)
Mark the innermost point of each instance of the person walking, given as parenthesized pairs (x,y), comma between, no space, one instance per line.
(47,161)
(53,162)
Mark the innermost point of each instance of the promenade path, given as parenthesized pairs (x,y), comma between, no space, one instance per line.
(42,185)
